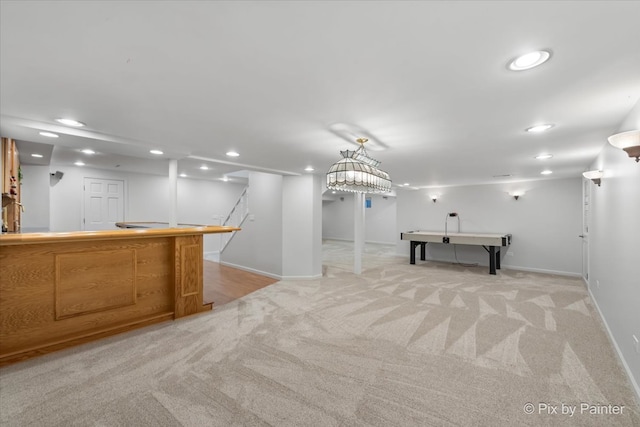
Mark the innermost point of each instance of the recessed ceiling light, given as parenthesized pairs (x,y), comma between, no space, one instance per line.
(539,128)
(49,134)
(70,122)
(39,156)
(529,60)
(544,156)
(156,152)
(309,169)
(204,167)
(225,179)
(405,184)
(546,172)
(232,154)
(183,175)
(88,151)
(79,164)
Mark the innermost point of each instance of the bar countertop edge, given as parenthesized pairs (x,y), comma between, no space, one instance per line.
(9,239)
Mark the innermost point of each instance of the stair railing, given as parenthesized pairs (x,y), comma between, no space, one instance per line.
(236,218)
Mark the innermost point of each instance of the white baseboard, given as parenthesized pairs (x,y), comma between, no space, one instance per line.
(338,239)
(251,270)
(634,383)
(541,270)
(509,267)
(273,276)
(316,276)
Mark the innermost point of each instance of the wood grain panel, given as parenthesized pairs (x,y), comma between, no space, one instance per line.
(190,267)
(87,282)
(27,304)
(188,276)
(60,289)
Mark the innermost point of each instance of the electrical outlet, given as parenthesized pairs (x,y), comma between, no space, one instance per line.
(509,253)
(636,343)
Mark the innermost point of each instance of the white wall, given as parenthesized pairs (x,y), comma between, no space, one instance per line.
(337,217)
(258,247)
(146,199)
(35,198)
(302,226)
(545,222)
(614,248)
(380,219)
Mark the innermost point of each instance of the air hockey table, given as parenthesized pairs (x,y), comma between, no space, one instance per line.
(492,243)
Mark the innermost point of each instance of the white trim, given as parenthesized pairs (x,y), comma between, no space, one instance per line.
(314,277)
(251,270)
(542,270)
(634,384)
(273,276)
(507,267)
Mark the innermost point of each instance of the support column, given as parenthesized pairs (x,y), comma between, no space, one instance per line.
(358,231)
(173,193)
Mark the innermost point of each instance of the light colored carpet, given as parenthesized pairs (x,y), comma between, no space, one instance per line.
(399,345)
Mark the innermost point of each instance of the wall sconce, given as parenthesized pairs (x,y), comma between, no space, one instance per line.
(434,197)
(516,194)
(627,141)
(594,176)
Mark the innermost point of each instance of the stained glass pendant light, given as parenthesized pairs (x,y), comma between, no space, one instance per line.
(357,172)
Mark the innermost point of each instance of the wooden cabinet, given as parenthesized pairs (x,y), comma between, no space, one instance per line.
(11,206)
(63,289)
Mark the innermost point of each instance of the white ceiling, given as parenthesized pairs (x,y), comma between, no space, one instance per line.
(427,80)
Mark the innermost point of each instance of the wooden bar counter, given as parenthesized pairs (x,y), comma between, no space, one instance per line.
(62,289)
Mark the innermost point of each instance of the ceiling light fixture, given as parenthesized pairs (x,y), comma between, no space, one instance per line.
(595,176)
(49,134)
(543,156)
(546,172)
(79,163)
(529,60)
(232,154)
(309,169)
(37,156)
(358,173)
(539,128)
(88,151)
(71,122)
(627,141)
(204,167)
(183,175)
(156,152)
(434,197)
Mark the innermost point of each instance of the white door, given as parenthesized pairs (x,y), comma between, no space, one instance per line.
(586,200)
(103,203)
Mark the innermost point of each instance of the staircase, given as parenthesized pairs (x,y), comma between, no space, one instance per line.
(236,218)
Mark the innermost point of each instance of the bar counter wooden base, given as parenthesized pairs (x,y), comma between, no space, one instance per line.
(62,289)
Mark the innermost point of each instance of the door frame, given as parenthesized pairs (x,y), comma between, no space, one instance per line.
(586,220)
